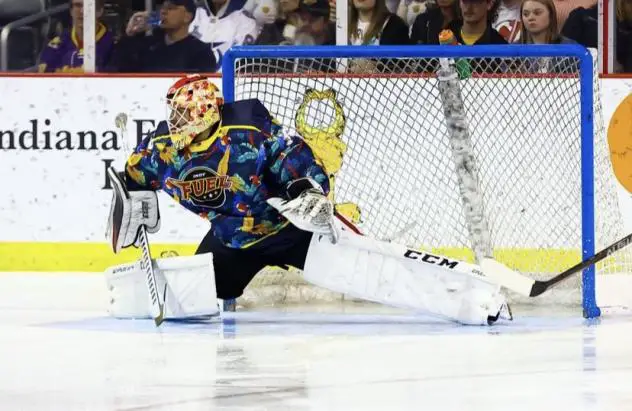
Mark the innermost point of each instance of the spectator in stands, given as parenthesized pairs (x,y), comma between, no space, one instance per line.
(563,8)
(408,10)
(539,23)
(623,36)
(170,48)
(64,53)
(539,26)
(476,27)
(371,23)
(302,22)
(507,20)
(315,28)
(225,25)
(444,14)
(305,22)
(582,26)
(283,30)
(265,12)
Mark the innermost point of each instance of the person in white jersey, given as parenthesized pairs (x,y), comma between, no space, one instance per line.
(225,25)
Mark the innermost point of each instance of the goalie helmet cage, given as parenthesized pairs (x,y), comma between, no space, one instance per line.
(527,119)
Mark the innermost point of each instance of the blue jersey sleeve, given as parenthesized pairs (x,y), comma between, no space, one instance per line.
(289,159)
(143,168)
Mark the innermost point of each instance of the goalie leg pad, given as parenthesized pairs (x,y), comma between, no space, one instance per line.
(189,293)
(350,267)
(129,211)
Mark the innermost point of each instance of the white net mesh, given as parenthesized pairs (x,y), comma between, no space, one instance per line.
(523,116)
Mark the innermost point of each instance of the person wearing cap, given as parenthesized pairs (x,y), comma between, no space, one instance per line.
(170,47)
(226,24)
(305,22)
(315,28)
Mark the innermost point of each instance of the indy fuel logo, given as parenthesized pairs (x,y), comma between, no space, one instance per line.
(202,186)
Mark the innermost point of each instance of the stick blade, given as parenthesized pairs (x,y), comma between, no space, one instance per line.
(538,288)
(158,319)
(506,277)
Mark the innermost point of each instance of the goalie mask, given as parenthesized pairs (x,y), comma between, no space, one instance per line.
(194,103)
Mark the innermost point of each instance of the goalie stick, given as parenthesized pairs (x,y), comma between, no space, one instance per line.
(500,273)
(534,288)
(157,307)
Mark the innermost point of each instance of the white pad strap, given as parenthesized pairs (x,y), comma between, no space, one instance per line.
(422,282)
(190,291)
(129,211)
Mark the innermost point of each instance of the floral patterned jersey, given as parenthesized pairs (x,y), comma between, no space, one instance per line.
(228,177)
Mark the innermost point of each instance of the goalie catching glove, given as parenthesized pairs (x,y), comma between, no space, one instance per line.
(308,208)
(130,210)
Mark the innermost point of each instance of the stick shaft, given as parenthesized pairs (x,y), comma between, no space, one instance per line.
(541,286)
(157,308)
(157,304)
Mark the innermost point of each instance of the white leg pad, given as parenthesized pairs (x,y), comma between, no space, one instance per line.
(350,268)
(190,289)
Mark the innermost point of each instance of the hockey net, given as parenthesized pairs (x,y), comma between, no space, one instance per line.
(524,118)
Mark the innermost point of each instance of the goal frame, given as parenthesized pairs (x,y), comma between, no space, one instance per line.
(586,79)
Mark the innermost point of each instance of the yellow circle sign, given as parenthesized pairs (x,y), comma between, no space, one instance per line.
(620,142)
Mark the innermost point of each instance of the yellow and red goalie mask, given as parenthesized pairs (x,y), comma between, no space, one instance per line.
(194,103)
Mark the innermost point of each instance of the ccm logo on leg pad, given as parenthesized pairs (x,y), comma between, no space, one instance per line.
(430,259)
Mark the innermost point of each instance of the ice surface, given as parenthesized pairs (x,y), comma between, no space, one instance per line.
(59,351)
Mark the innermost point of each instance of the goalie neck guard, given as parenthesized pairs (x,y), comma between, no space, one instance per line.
(194,103)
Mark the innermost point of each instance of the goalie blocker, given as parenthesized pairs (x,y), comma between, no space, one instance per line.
(129,211)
